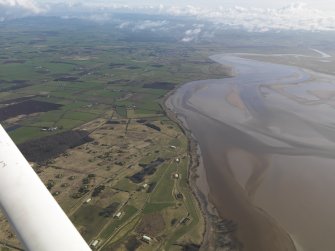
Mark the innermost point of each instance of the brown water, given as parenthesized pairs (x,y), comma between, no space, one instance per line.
(267,137)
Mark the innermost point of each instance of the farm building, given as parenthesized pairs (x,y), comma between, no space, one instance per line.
(146,238)
(118,215)
(94,244)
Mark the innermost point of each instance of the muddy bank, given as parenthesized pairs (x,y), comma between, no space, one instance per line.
(223,199)
(267,141)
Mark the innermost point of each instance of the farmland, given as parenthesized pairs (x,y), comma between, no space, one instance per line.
(84,106)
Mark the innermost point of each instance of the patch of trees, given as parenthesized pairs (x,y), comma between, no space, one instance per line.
(43,149)
(179,196)
(110,210)
(98,190)
(133,67)
(141,121)
(113,122)
(84,188)
(191,247)
(150,125)
(26,107)
(50,184)
(157,65)
(174,221)
(132,243)
(148,169)
(81,192)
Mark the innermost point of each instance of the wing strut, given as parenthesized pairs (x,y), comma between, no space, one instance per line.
(35,215)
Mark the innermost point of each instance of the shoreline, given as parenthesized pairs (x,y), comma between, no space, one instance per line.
(195,159)
(208,210)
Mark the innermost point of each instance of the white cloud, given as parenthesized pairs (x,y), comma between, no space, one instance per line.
(125,25)
(191,35)
(145,25)
(297,16)
(18,8)
(291,17)
(23,4)
(150,25)
(99,18)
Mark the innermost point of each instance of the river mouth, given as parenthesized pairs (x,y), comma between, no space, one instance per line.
(267,138)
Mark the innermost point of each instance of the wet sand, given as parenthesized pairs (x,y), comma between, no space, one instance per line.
(267,143)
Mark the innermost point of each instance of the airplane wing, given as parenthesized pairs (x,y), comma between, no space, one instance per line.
(37,218)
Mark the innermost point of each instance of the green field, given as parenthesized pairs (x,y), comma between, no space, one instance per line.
(96,75)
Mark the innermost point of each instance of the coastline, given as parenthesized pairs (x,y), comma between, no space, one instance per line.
(195,160)
(211,216)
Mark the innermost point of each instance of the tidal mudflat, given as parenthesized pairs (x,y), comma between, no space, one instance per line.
(267,140)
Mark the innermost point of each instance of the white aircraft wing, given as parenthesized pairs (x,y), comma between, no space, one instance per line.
(37,218)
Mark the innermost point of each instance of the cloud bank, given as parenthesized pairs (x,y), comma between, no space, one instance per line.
(292,17)
(18,8)
(191,35)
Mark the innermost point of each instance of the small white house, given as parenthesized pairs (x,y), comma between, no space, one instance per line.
(176,176)
(145,185)
(146,238)
(118,215)
(177,160)
(94,244)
